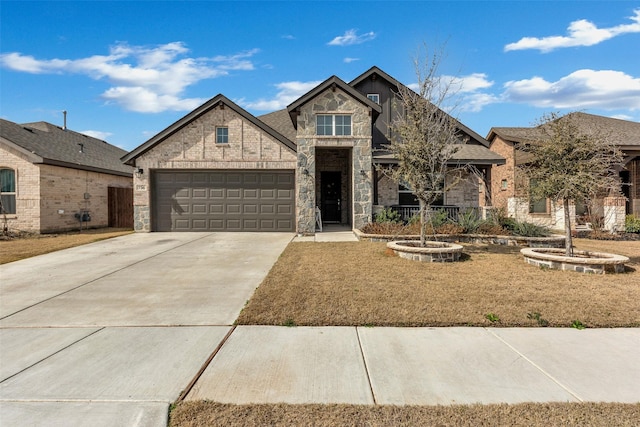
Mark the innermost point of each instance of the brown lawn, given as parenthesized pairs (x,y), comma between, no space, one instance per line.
(16,248)
(362,283)
(201,414)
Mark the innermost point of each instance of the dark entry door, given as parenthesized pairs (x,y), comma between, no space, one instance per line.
(331,193)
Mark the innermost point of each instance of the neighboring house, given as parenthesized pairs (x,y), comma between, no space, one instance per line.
(54,179)
(221,168)
(509,192)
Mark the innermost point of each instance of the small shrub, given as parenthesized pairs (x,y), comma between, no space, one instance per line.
(449,228)
(489,227)
(469,220)
(632,224)
(438,218)
(388,215)
(527,229)
(382,228)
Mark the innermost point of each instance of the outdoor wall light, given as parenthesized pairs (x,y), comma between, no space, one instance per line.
(139,171)
(363,172)
(305,171)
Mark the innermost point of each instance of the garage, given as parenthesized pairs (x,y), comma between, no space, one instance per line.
(223,200)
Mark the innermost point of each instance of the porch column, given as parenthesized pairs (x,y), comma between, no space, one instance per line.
(306,189)
(614,213)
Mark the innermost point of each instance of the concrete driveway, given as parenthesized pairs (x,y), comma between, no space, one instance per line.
(110,333)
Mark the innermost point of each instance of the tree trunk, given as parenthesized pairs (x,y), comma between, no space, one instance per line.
(423,224)
(568,246)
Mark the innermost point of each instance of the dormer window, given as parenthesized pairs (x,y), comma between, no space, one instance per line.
(333,125)
(375,97)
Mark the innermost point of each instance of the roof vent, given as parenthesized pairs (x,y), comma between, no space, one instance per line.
(64,126)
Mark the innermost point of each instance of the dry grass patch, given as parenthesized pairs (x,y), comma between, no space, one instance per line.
(362,283)
(17,248)
(197,414)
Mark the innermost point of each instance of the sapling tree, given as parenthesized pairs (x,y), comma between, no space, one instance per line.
(570,163)
(424,136)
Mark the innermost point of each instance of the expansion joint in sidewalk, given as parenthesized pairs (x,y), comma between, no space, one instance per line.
(366,367)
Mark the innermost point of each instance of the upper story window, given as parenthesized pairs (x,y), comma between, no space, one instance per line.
(7,191)
(375,97)
(222,135)
(333,125)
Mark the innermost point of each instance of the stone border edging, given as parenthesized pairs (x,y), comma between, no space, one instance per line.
(433,252)
(555,241)
(586,262)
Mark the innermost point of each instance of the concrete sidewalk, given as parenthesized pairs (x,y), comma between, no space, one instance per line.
(423,366)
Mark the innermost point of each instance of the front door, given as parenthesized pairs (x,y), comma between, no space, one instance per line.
(331,194)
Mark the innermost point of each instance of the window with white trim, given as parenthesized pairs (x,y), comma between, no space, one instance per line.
(333,125)
(222,135)
(375,97)
(7,191)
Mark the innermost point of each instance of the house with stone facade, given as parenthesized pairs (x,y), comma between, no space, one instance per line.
(54,179)
(510,193)
(221,168)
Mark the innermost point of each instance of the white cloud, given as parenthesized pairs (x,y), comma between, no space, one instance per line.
(287,93)
(351,37)
(350,60)
(580,33)
(143,79)
(97,134)
(604,89)
(144,100)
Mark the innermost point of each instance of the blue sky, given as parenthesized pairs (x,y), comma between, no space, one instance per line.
(126,70)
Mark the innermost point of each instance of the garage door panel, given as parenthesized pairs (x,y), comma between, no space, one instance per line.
(216,208)
(199,193)
(233,193)
(223,200)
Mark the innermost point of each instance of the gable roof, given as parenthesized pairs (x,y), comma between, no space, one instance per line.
(332,82)
(623,133)
(44,143)
(201,110)
(375,72)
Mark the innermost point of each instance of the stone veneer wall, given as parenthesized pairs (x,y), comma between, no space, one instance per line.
(335,160)
(333,102)
(194,147)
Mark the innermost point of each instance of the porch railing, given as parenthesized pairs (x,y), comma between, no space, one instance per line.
(408,211)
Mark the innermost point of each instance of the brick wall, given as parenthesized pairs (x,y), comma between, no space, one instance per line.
(194,147)
(27,217)
(499,194)
(65,192)
(48,196)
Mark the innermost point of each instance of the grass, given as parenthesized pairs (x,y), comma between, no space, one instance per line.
(200,414)
(27,246)
(362,283)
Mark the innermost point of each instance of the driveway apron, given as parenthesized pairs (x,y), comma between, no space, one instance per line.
(110,333)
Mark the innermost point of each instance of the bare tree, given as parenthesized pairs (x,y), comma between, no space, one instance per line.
(425,137)
(569,163)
